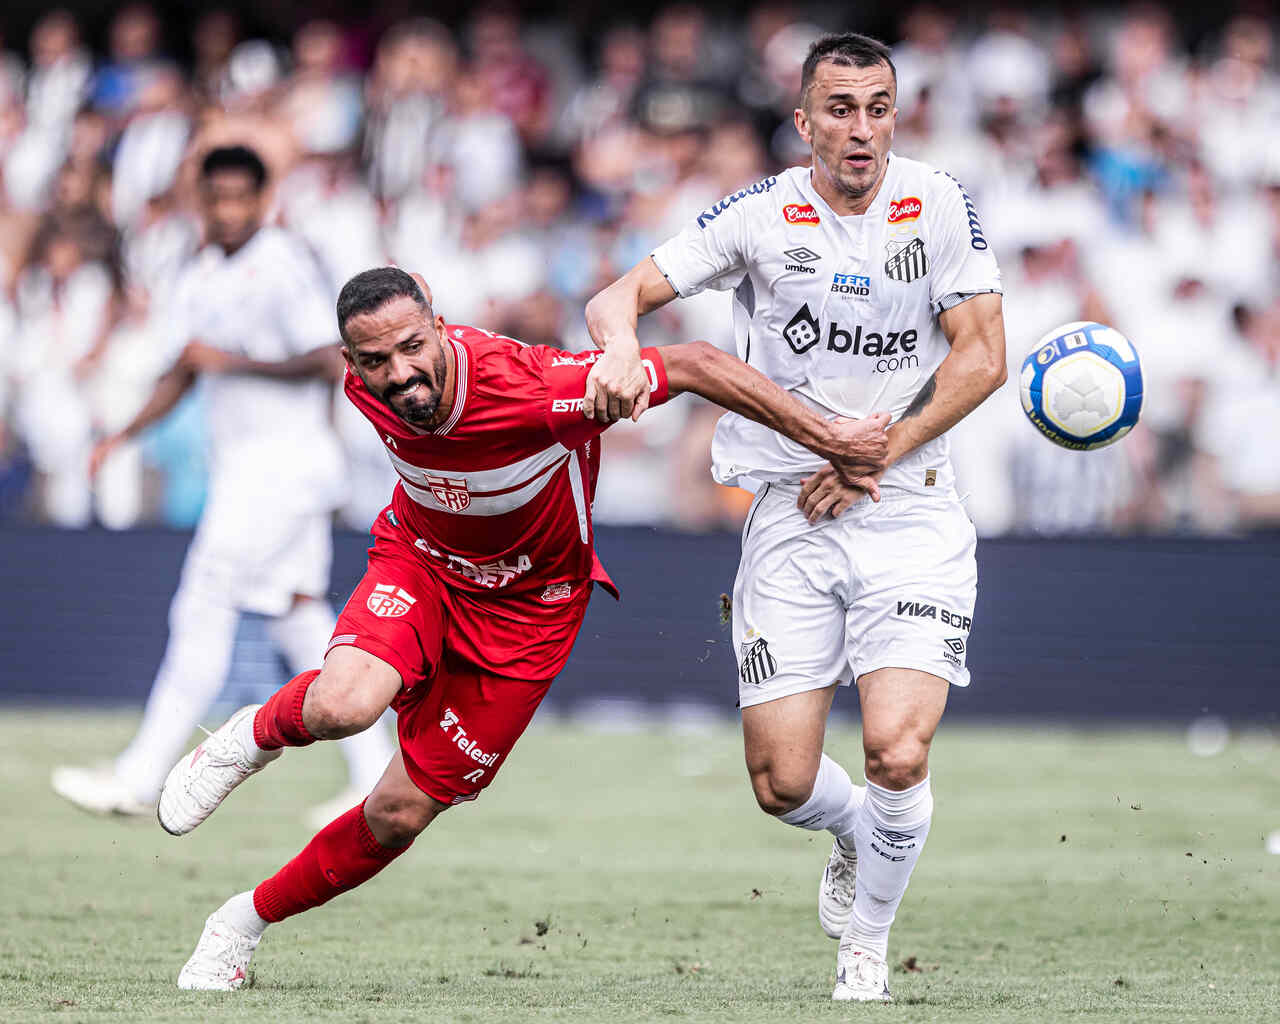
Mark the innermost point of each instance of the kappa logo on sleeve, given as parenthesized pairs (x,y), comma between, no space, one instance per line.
(800,213)
(389,601)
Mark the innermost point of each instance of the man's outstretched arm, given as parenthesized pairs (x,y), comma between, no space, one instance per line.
(617,386)
(857,448)
(324,362)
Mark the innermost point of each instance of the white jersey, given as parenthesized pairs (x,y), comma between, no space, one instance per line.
(842,311)
(267,301)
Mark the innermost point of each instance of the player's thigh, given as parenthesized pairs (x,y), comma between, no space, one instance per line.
(788,604)
(782,740)
(397,613)
(901,709)
(913,605)
(456,736)
(353,688)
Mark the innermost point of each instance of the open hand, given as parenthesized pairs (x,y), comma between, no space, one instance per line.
(616,387)
(825,493)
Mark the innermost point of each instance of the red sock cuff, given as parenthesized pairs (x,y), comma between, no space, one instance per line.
(342,855)
(278,722)
(369,842)
(268,902)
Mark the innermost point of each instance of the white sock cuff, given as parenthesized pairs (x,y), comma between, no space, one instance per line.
(815,812)
(902,809)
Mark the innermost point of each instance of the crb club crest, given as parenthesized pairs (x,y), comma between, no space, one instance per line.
(389,601)
(451,492)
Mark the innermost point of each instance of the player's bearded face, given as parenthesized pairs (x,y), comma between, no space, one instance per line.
(398,352)
(416,399)
(847,118)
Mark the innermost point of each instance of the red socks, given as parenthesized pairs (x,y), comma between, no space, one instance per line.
(342,855)
(278,722)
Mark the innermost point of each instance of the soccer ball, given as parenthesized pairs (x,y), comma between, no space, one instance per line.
(1082,385)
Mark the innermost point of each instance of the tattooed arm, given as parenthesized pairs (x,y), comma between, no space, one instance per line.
(973,369)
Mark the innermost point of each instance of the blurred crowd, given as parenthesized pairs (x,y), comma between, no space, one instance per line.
(1124,173)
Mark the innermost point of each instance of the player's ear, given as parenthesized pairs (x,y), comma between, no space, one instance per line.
(802,124)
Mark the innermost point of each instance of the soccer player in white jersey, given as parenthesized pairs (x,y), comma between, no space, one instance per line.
(253,317)
(862,283)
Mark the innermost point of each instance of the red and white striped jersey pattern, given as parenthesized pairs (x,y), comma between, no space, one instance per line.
(499,495)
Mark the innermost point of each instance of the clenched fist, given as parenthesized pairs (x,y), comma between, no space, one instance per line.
(616,387)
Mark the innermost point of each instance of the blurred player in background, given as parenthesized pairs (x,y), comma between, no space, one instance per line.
(861,283)
(476,587)
(251,315)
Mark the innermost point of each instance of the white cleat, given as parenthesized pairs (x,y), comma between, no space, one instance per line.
(835,891)
(198,783)
(321,814)
(99,791)
(861,977)
(221,960)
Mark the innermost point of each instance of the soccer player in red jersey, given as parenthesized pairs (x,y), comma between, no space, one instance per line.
(476,586)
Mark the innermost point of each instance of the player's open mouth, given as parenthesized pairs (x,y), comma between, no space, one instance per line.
(859,159)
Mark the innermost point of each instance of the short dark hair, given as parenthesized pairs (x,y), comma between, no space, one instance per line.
(372,289)
(235,158)
(848,49)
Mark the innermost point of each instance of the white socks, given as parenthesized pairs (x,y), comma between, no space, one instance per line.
(239,912)
(202,628)
(833,805)
(888,836)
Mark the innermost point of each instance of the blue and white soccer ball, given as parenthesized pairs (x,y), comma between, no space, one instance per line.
(1082,385)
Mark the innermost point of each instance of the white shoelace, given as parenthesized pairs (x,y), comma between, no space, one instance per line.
(222,951)
(841,869)
(209,786)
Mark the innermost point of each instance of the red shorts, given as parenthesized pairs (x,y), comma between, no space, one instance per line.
(473,667)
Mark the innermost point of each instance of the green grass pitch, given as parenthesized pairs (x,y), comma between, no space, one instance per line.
(1069,876)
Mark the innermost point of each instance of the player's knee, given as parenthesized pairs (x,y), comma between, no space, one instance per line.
(897,764)
(779,791)
(398,821)
(336,706)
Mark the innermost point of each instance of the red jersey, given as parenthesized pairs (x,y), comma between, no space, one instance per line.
(498,497)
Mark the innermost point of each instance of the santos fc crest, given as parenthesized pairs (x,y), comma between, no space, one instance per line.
(757,663)
(906,261)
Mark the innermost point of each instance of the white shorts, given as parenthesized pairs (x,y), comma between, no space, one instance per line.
(255,551)
(888,584)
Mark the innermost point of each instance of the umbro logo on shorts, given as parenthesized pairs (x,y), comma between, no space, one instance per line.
(956,644)
(389,601)
(757,663)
